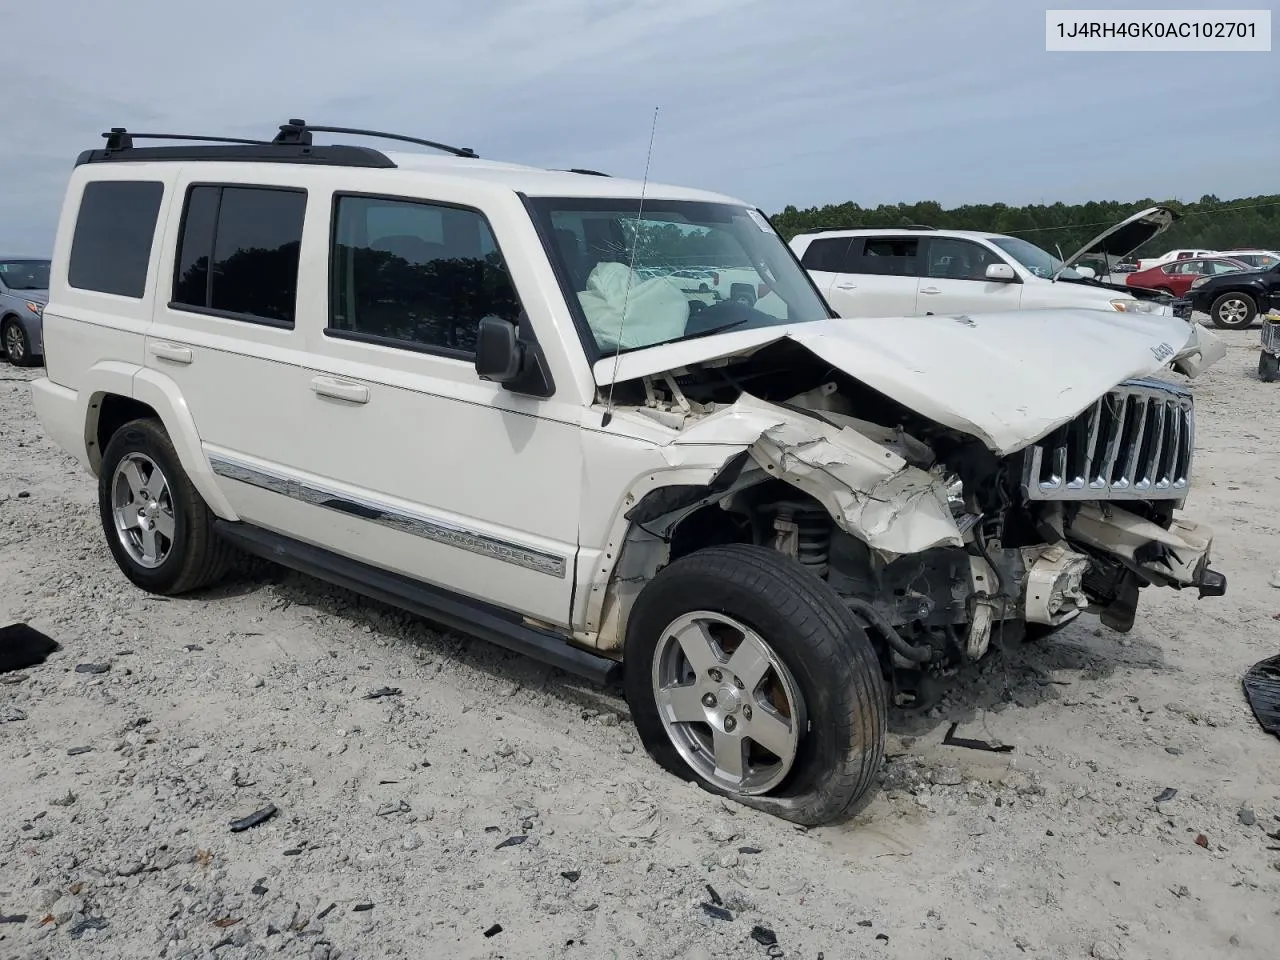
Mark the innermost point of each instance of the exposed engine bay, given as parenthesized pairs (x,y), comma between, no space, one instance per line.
(1079,520)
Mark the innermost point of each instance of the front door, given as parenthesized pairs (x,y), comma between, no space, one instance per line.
(418,465)
(955,280)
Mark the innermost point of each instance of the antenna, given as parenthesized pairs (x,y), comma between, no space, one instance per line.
(631,272)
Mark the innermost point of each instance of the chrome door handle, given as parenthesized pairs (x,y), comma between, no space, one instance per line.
(170,351)
(846,286)
(336,389)
(930,290)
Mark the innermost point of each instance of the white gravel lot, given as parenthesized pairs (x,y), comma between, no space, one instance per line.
(392,811)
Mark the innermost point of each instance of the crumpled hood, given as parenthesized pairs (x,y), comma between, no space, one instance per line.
(1006,378)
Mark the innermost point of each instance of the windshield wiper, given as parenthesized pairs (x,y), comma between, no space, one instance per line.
(710,330)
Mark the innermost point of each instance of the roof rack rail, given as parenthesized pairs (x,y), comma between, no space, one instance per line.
(299,132)
(118,138)
(588,173)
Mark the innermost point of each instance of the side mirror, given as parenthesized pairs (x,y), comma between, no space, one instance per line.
(499,353)
(1002,272)
(1087,272)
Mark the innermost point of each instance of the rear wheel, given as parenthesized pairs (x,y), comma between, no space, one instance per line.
(1233,311)
(158,527)
(17,346)
(747,674)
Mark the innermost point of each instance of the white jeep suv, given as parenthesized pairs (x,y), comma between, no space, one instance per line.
(476,390)
(921,270)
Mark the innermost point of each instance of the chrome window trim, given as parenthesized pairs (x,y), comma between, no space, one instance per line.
(393,518)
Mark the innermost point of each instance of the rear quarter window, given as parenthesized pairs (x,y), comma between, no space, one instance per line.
(115,228)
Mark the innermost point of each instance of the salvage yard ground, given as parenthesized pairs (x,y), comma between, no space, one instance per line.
(392,811)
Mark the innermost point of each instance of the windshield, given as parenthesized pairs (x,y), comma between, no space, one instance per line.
(25,274)
(700,269)
(1041,263)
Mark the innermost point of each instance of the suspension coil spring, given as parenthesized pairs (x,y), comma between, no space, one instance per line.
(813,534)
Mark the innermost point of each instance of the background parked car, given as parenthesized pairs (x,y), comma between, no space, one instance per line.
(24,290)
(1255,258)
(1146,263)
(1176,276)
(1233,300)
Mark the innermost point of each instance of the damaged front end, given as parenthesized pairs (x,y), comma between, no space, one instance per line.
(939,543)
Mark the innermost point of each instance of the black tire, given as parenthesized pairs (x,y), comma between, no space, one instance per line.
(822,645)
(197,557)
(11,332)
(1219,304)
(1268,367)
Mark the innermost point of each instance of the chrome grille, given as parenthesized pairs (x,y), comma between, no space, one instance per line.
(1135,443)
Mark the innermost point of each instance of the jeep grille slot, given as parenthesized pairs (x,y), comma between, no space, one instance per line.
(1135,443)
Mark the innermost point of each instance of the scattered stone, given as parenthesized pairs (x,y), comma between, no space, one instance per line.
(386,809)
(1105,950)
(254,819)
(411,841)
(722,831)
(1176,751)
(511,842)
(571,875)
(1247,816)
(1275,579)
(523,759)
(76,751)
(84,926)
(92,667)
(64,799)
(1165,795)
(132,868)
(11,714)
(362,907)
(1202,841)
(1180,891)
(383,692)
(716,912)
(946,777)
(763,936)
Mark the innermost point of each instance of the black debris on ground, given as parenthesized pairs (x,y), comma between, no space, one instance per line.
(714,895)
(951,740)
(1165,795)
(89,923)
(13,918)
(750,851)
(511,842)
(254,819)
(326,911)
(494,930)
(23,646)
(716,912)
(258,889)
(571,875)
(362,907)
(76,751)
(864,923)
(192,647)
(763,936)
(383,692)
(92,667)
(1262,689)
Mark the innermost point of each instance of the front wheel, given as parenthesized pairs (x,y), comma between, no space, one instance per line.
(1233,311)
(747,674)
(17,346)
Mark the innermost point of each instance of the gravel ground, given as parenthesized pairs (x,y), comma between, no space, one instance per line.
(495,808)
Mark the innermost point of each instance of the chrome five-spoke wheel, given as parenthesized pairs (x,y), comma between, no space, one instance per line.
(728,703)
(142,507)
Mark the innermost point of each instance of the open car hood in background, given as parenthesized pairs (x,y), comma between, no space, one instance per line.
(1127,235)
(1006,378)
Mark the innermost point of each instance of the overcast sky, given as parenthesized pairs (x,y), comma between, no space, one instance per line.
(775,101)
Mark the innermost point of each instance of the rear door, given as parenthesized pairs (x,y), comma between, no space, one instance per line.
(879,277)
(955,279)
(223,330)
(824,258)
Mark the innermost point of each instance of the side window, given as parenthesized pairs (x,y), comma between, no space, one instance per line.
(238,254)
(415,275)
(886,256)
(111,246)
(826,254)
(953,259)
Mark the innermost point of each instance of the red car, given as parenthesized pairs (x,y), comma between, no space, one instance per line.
(1176,277)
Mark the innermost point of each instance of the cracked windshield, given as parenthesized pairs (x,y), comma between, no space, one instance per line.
(699,269)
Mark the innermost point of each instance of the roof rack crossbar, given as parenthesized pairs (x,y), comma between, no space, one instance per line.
(118,138)
(299,131)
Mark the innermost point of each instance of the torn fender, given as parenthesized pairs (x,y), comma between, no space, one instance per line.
(870,492)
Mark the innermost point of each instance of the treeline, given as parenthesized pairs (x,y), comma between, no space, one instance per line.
(1209,223)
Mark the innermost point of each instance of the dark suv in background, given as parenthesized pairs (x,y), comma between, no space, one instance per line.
(1234,300)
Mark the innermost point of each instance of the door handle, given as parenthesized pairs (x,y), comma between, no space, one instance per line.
(846,286)
(930,290)
(336,389)
(172,352)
